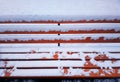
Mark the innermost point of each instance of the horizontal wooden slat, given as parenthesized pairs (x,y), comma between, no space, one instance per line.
(62,29)
(60,55)
(62,44)
(60,32)
(43,63)
(60,49)
(68,59)
(78,67)
(48,52)
(83,38)
(58,63)
(54,36)
(61,73)
(44,59)
(62,21)
(30,52)
(61,41)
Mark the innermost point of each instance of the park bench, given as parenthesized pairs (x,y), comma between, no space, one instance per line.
(60,50)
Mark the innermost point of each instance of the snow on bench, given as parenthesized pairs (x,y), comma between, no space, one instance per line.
(65,50)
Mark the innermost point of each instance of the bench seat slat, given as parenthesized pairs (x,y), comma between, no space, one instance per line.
(61,49)
(61,73)
(74,55)
(65,38)
(58,63)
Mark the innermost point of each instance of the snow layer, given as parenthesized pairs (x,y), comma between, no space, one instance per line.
(25,37)
(58,63)
(64,55)
(62,27)
(63,45)
(18,10)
